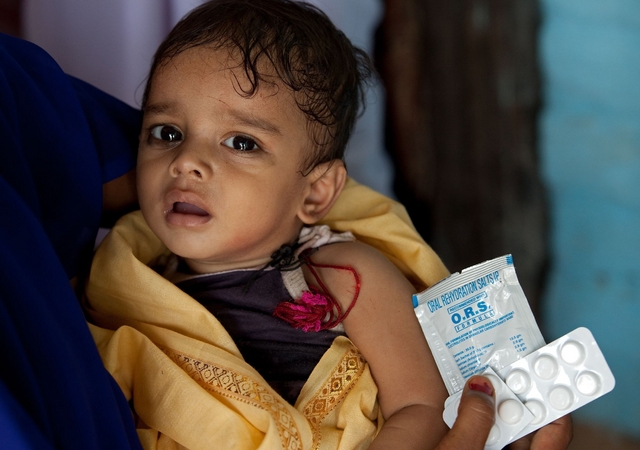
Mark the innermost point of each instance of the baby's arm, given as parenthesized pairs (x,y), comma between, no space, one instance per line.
(386,331)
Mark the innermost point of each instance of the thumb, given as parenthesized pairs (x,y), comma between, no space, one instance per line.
(476,415)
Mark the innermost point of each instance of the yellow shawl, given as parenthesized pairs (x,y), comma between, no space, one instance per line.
(186,380)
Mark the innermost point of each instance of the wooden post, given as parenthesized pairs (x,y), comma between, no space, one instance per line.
(462,86)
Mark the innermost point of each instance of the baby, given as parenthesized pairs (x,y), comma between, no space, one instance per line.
(246,114)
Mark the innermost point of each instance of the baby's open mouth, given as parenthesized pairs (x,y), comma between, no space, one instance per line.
(188,208)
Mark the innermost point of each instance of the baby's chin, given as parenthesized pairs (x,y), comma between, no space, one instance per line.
(200,260)
(208,265)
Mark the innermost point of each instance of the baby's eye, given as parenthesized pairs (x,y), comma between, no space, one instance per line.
(241,143)
(166,133)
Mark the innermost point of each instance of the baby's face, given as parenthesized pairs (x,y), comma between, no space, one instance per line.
(219,174)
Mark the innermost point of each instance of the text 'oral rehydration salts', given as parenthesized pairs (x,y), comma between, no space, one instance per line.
(534,385)
(477,318)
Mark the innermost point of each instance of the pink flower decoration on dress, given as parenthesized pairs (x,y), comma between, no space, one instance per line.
(316,309)
(308,313)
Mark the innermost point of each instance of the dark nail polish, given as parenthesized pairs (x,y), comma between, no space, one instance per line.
(479,384)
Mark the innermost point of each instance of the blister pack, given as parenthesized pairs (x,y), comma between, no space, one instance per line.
(511,414)
(559,378)
(477,318)
(550,383)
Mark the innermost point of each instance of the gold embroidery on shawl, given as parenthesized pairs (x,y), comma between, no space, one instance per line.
(335,389)
(231,384)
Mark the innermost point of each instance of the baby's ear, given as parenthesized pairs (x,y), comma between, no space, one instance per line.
(325,185)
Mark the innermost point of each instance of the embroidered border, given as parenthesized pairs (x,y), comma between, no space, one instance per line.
(335,389)
(239,387)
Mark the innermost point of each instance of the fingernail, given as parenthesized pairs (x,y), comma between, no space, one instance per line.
(481,385)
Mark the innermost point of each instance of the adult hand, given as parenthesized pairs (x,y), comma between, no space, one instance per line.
(476,416)
(555,436)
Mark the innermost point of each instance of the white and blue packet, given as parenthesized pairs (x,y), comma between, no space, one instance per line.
(478,321)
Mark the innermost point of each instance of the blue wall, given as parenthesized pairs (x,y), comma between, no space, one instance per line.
(590,150)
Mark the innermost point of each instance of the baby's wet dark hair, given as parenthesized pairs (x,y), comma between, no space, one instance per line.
(326,73)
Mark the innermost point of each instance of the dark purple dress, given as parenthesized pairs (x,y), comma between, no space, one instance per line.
(283,355)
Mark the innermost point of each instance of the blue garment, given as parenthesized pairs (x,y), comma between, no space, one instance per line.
(61,140)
